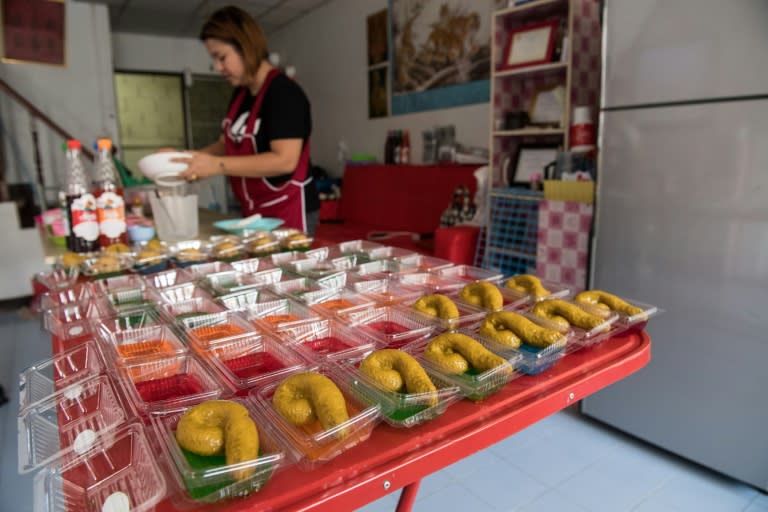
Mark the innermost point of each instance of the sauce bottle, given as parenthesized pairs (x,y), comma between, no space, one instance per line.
(110,204)
(81,205)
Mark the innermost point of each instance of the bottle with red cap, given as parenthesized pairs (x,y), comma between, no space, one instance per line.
(110,202)
(81,204)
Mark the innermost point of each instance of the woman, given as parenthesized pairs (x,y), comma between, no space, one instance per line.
(264,145)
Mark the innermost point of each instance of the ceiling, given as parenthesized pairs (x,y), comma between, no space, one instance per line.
(184,18)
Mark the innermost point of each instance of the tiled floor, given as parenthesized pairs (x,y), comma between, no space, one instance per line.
(565,463)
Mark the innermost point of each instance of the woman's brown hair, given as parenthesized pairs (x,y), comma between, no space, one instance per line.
(236,27)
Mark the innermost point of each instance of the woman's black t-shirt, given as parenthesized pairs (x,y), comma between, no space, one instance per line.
(285,114)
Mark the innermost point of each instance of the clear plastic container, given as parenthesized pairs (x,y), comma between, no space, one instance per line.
(300,286)
(251,265)
(197,306)
(58,278)
(207,479)
(321,253)
(107,265)
(120,473)
(527,358)
(71,323)
(181,293)
(327,340)
(189,252)
(228,249)
(391,326)
(310,445)
(44,378)
(293,239)
(470,273)
(337,303)
(423,263)
(169,278)
(402,409)
(150,262)
(388,252)
(386,291)
(230,281)
(263,246)
(468,315)
(143,343)
(556,291)
(131,298)
(68,421)
(253,361)
(283,258)
(432,283)
(636,322)
(75,295)
(267,277)
(204,331)
(280,315)
(324,273)
(241,301)
(118,283)
(474,385)
(202,270)
(510,301)
(358,246)
(161,386)
(586,337)
(377,269)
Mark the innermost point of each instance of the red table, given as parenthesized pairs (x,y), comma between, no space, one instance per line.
(399,458)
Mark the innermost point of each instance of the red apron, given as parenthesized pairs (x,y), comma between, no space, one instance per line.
(257,195)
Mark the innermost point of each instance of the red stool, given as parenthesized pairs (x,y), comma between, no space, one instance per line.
(457,244)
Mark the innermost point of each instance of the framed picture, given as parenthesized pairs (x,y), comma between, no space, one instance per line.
(530,45)
(378,41)
(532,159)
(33,31)
(378,92)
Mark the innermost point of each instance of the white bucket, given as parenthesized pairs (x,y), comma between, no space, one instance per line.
(174,208)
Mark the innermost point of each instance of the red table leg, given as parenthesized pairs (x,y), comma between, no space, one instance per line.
(408,497)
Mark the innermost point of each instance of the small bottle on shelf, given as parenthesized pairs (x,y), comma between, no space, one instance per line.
(81,205)
(110,205)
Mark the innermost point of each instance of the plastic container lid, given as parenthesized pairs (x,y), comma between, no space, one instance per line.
(206,330)
(470,273)
(169,278)
(181,293)
(467,314)
(44,378)
(337,303)
(144,343)
(240,301)
(68,422)
(280,315)
(119,474)
(196,306)
(431,282)
(422,263)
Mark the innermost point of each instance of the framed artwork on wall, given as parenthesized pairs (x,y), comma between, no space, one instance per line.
(378,106)
(440,53)
(378,42)
(33,31)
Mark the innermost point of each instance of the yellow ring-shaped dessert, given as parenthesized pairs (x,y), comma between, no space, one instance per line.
(220,426)
(457,353)
(482,294)
(437,305)
(607,301)
(511,329)
(528,284)
(566,314)
(397,371)
(304,397)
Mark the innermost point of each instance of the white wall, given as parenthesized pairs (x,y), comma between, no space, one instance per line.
(78,96)
(139,52)
(329,49)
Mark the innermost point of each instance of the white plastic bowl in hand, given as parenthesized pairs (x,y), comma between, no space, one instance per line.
(160,164)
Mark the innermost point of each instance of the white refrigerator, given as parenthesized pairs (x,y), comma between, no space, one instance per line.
(682,223)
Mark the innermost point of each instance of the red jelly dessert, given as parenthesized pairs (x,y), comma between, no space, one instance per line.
(168,388)
(327,345)
(255,364)
(387,327)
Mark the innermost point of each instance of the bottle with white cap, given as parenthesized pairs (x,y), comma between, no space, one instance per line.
(582,130)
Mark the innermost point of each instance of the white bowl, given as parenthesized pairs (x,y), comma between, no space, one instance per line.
(159,164)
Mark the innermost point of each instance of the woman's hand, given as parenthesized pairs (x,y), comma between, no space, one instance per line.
(199,165)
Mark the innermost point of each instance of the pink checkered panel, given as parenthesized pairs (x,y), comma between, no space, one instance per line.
(562,251)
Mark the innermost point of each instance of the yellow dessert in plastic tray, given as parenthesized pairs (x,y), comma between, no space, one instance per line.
(482,294)
(528,284)
(607,301)
(512,329)
(219,427)
(398,372)
(437,305)
(305,397)
(458,353)
(566,314)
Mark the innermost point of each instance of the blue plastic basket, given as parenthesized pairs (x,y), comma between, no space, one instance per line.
(510,241)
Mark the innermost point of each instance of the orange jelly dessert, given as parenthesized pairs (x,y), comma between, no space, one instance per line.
(145,348)
(279,319)
(214,332)
(336,304)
